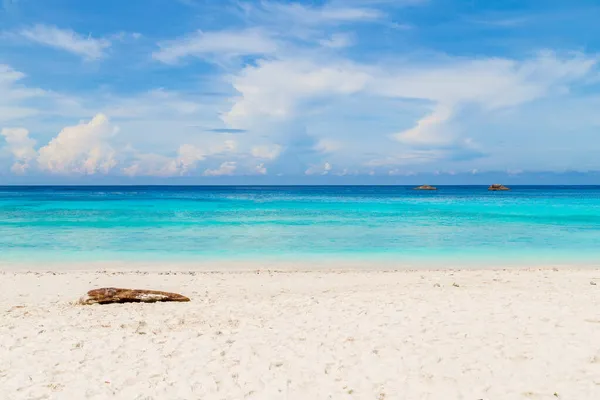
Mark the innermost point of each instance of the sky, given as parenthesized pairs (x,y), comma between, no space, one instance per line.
(282,92)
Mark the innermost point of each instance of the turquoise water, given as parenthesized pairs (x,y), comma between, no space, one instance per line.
(204,223)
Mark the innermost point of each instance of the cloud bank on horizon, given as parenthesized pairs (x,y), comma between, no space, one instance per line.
(190,88)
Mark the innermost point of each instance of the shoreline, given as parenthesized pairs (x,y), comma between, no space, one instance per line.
(332,271)
(324,265)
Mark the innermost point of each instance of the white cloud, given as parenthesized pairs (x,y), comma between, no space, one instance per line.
(13,95)
(68,40)
(228,146)
(260,169)
(427,131)
(267,152)
(408,157)
(226,44)
(227,168)
(327,13)
(292,14)
(490,84)
(9,75)
(286,95)
(81,149)
(8,113)
(325,145)
(501,22)
(314,104)
(322,169)
(185,162)
(278,88)
(148,164)
(188,157)
(400,172)
(273,88)
(21,146)
(158,104)
(125,36)
(158,165)
(308,23)
(19,102)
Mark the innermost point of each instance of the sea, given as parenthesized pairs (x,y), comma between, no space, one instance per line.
(454,225)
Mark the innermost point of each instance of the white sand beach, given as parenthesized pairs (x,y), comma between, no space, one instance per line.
(470,334)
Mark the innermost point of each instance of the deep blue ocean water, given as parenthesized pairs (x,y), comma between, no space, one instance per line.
(346,222)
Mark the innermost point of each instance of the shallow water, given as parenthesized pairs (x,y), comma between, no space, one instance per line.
(554,223)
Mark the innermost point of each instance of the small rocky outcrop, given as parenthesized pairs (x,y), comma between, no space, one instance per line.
(497,187)
(115,295)
(425,187)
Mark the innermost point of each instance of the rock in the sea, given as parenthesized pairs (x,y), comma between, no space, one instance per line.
(115,295)
(425,187)
(497,186)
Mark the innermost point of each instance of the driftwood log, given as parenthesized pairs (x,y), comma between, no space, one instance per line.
(115,295)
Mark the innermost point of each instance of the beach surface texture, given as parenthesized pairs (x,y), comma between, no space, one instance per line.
(472,334)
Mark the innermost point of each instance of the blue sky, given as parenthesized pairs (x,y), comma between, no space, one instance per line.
(354,91)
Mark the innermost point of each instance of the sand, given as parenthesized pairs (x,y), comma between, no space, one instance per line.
(472,334)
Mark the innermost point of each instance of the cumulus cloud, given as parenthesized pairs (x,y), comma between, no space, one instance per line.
(267,152)
(228,43)
(295,95)
(149,164)
(275,92)
(274,88)
(188,157)
(21,146)
(185,162)
(87,149)
(488,84)
(260,169)
(227,168)
(81,149)
(322,169)
(67,40)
